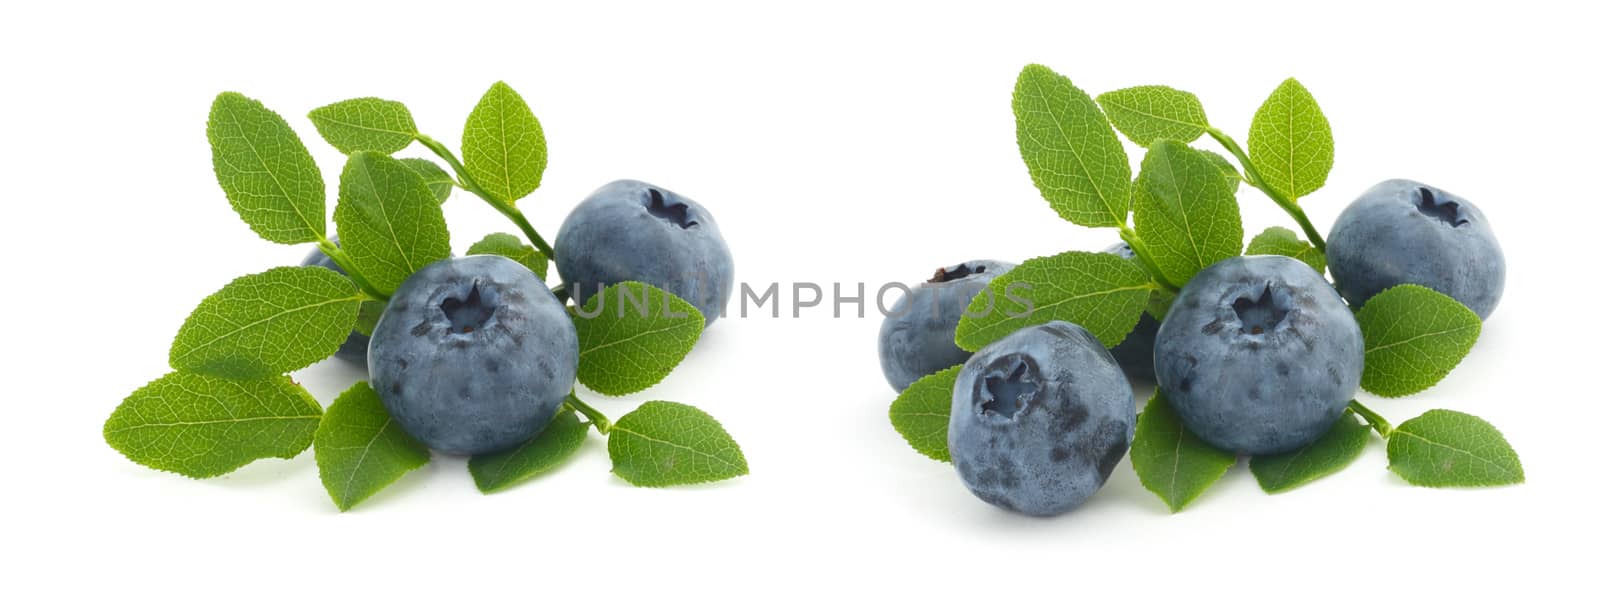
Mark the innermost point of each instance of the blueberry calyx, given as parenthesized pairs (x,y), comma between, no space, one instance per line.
(1448,212)
(470,313)
(1260,315)
(953,273)
(1011,382)
(677,213)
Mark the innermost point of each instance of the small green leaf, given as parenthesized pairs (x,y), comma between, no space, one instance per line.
(1414,337)
(922,413)
(436,178)
(1073,155)
(1290,141)
(202,426)
(367,316)
(267,174)
(1149,113)
(1101,292)
(389,222)
(633,336)
(365,124)
(1283,241)
(511,247)
(1445,448)
(668,444)
(503,145)
(1170,460)
(558,442)
(268,323)
(1337,448)
(360,449)
(1184,209)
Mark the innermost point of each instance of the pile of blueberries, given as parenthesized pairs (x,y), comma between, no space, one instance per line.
(475,354)
(1257,355)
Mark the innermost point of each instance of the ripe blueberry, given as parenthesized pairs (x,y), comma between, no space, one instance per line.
(636,231)
(1258,355)
(1039,419)
(918,335)
(473,355)
(1403,231)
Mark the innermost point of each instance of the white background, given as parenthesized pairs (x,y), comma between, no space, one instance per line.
(834,142)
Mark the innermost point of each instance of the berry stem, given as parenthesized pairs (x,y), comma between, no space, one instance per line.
(1139,250)
(1253,178)
(343,260)
(510,210)
(596,418)
(1373,418)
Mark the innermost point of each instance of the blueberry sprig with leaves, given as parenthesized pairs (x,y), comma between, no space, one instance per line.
(229,400)
(1185,226)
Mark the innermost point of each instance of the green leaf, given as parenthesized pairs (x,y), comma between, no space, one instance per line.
(1073,155)
(389,222)
(1149,113)
(365,124)
(503,145)
(1184,210)
(558,442)
(1170,460)
(1160,302)
(620,349)
(202,426)
(511,247)
(922,413)
(1445,448)
(1101,292)
(1290,141)
(1414,337)
(360,449)
(1228,171)
(367,316)
(268,323)
(1337,448)
(436,178)
(267,174)
(1284,242)
(668,444)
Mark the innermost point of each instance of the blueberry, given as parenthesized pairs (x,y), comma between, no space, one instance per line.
(1136,352)
(636,231)
(473,355)
(918,335)
(1403,231)
(354,348)
(1039,419)
(1258,355)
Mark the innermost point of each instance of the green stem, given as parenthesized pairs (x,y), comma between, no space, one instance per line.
(507,209)
(599,420)
(1373,418)
(343,260)
(1253,177)
(1141,251)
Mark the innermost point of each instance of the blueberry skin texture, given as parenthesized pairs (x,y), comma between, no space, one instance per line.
(1403,231)
(1259,355)
(1039,419)
(1136,352)
(920,339)
(635,231)
(354,347)
(473,355)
